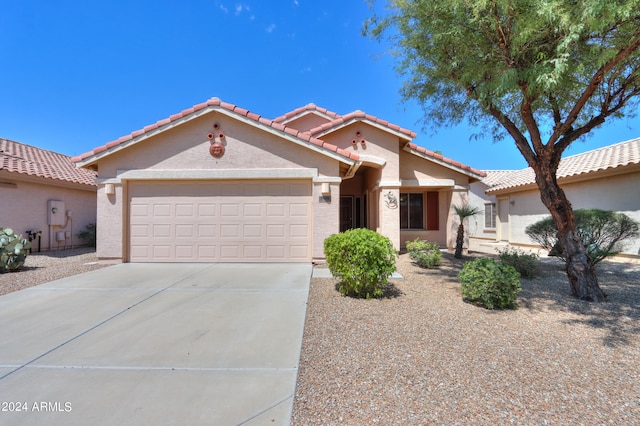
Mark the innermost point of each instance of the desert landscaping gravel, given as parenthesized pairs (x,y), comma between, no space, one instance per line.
(43,267)
(422,356)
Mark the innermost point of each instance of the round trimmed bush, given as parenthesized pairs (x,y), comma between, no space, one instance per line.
(362,259)
(489,283)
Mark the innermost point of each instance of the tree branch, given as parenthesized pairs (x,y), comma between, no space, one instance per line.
(593,85)
(521,141)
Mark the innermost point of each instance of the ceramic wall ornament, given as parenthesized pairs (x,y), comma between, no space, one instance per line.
(359,140)
(218,142)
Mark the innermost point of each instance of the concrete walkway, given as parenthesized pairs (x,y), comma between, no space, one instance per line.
(155,344)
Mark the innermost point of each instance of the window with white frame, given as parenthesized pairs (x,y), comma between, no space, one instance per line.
(490,215)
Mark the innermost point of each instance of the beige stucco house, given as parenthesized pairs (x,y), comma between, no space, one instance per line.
(607,178)
(44,191)
(217,182)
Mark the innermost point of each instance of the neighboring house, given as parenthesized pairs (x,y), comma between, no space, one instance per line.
(216,182)
(606,178)
(44,191)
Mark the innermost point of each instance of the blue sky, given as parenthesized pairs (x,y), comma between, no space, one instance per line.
(77,74)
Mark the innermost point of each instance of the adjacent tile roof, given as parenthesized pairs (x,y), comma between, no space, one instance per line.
(24,159)
(217,104)
(610,157)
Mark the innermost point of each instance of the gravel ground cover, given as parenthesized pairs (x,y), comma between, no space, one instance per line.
(423,356)
(43,267)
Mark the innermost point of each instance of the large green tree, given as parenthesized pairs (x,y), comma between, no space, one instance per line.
(542,72)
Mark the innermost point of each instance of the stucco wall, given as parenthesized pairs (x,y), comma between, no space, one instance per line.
(414,167)
(478,199)
(24,208)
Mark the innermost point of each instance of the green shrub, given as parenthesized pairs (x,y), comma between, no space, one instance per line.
(13,250)
(525,263)
(424,253)
(489,283)
(89,235)
(362,259)
(602,232)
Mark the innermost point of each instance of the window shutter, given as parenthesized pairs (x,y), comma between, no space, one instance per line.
(433,211)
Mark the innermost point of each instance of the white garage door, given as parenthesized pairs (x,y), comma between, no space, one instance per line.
(220,221)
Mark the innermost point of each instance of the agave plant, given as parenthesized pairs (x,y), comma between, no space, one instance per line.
(464,211)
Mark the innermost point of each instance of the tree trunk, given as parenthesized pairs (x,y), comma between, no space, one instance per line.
(459,242)
(580,269)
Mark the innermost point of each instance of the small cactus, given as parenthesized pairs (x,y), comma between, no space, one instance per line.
(13,250)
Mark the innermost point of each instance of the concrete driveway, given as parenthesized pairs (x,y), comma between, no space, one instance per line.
(155,344)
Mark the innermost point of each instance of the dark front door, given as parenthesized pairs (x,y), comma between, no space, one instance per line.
(346,213)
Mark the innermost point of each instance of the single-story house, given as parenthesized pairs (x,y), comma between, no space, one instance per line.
(606,178)
(217,182)
(45,197)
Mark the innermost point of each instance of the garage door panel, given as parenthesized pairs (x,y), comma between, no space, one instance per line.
(162,210)
(206,231)
(185,210)
(298,231)
(184,252)
(206,210)
(185,231)
(220,221)
(161,231)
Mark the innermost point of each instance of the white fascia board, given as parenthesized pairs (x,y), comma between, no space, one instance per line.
(327,179)
(448,183)
(217,174)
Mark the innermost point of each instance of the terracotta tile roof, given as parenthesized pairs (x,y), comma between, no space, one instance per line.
(448,162)
(300,111)
(342,120)
(216,104)
(24,159)
(609,157)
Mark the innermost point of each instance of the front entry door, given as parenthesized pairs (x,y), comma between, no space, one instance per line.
(346,213)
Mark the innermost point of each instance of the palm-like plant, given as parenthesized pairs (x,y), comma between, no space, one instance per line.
(464,211)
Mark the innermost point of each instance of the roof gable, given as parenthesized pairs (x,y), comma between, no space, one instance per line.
(342,121)
(215,104)
(607,158)
(16,157)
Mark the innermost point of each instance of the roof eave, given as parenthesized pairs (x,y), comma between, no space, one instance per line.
(476,175)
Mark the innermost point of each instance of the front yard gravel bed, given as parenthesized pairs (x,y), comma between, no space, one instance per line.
(423,356)
(40,268)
